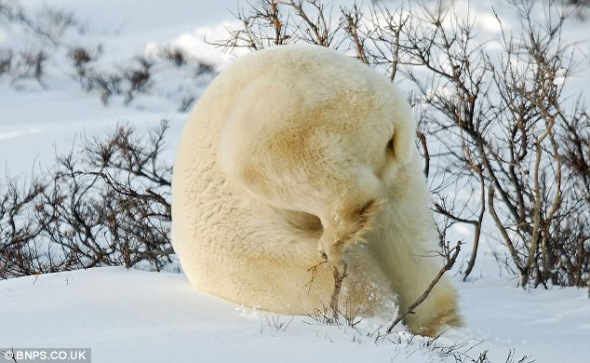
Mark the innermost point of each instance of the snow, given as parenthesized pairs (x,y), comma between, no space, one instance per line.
(150,317)
(147,316)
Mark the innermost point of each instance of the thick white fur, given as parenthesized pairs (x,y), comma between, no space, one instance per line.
(297,160)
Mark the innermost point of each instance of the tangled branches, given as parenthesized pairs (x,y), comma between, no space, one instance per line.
(104,205)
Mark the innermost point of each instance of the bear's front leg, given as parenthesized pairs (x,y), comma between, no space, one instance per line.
(342,229)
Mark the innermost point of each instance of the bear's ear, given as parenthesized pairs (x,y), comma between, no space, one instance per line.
(403,141)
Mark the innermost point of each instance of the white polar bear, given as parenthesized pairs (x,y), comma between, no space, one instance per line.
(298,186)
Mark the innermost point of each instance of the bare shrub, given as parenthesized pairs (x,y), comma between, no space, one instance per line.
(5,62)
(277,323)
(186,103)
(50,23)
(82,58)
(127,82)
(574,250)
(175,55)
(28,64)
(19,254)
(104,205)
(500,117)
(509,143)
(204,68)
(123,81)
(138,79)
(181,58)
(53,21)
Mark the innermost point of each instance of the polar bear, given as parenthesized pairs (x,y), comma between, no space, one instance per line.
(297,186)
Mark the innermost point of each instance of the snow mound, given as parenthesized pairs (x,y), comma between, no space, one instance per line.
(149,317)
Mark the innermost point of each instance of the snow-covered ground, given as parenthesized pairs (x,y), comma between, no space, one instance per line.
(136,316)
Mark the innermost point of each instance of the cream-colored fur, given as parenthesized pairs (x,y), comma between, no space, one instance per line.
(297,165)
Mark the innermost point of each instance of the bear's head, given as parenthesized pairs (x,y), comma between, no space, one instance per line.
(320,133)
